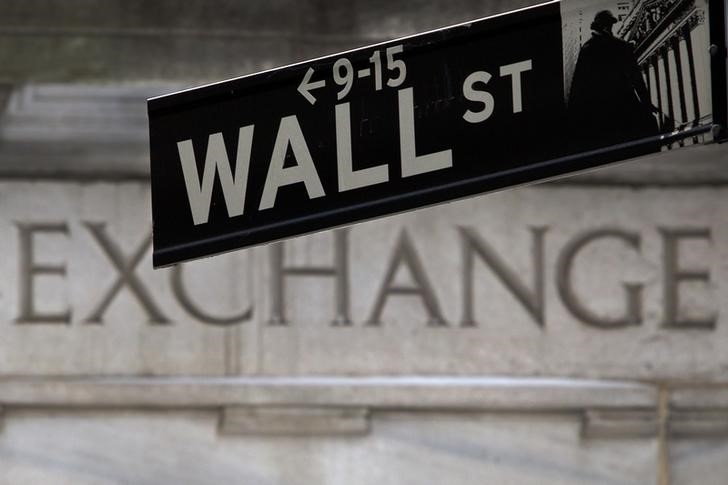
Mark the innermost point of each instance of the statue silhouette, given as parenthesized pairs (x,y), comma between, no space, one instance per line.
(609,102)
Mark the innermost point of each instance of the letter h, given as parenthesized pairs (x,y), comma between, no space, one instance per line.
(339,270)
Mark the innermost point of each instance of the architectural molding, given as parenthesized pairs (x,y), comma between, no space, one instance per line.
(294,421)
(99,132)
(413,393)
(619,424)
(312,406)
(681,424)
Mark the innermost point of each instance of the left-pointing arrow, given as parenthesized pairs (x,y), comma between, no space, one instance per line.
(307,86)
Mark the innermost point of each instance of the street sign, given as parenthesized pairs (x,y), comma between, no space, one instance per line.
(511,99)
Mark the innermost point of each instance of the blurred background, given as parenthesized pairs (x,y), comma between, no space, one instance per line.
(572,332)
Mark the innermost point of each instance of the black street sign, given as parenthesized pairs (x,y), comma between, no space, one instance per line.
(494,103)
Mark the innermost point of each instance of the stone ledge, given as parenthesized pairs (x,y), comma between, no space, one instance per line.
(598,424)
(293,421)
(99,132)
(699,424)
(622,424)
(700,398)
(411,393)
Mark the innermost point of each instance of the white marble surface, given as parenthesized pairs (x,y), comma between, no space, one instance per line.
(699,461)
(80,448)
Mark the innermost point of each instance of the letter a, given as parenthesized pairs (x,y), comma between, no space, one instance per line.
(290,133)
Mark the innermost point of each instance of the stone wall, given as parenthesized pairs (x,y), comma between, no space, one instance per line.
(569,332)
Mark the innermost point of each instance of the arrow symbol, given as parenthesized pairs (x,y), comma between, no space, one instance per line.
(306,86)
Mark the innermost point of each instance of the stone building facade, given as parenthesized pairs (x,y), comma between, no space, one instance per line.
(572,332)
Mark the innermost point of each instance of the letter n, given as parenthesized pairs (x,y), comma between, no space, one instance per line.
(531,299)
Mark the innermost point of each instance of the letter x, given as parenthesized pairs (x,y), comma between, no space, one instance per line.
(125,267)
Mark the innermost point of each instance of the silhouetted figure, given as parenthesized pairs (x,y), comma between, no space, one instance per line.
(609,102)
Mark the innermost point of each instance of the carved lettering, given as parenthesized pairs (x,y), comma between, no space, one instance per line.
(681,275)
(675,275)
(339,271)
(125,267)
(532,300)
(564,269)
(405,254)
(183,296)
(29,269)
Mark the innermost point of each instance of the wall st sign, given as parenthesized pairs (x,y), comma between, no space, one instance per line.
(485,105)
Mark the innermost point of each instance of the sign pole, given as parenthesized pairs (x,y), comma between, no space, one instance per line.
(719,68)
